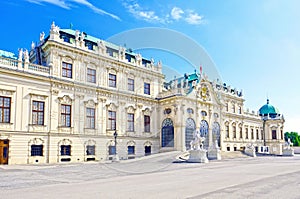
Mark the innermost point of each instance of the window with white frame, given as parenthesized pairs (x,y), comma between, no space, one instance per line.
(90,150)
(90,118)
(5,108)
(111,120)
(65,115)
(146,123)
(91,75)
(130,83)
(36,150)
(67,70)
(131,150)
(130,122)
(38,111)
(146,88)
(65,150)
(112,80)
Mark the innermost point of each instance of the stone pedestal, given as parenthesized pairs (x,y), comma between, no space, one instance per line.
(198,156)
(288,152)
(214,154)
(250,152)
(116,158)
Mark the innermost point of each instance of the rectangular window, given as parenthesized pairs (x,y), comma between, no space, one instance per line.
(233,108)
(130,150)
(252,134)
(112,120)
(247,136)
(130,84)
(90,118)
(65,115)
(227,131)
(112,80)
(5,104)
(147,123)
(274,136)
(130,122)
(234,131)
(241,132)
(36,150)
(90,150)
(257,134)
(66,70)
(38,112)
(147,88)
(65,150)
(112,150)
(91,75)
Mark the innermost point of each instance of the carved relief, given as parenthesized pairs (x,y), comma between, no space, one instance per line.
(147,143)
(90,103)
(65,142)
(130,109)
(131,143)
(66,99)
(6,92)
(36,141)
(90,142)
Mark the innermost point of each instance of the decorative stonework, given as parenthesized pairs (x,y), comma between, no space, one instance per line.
(65,142)
(66,99)
(36,141)
(148,143)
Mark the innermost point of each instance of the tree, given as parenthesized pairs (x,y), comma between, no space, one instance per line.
(294,137)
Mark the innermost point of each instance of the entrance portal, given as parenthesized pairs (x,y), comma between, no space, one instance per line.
(3,151)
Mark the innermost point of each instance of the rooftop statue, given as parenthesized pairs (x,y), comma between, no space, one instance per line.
(77,35)
(54,28)
(20,54)
(42,36)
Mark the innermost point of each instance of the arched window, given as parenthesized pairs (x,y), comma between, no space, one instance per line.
(216,133)
(167,133)
(234,130)
(204,132)
(226,130)
(189,130)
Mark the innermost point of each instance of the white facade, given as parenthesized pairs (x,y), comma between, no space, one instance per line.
(64,100)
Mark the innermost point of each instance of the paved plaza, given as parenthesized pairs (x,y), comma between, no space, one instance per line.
(156,176)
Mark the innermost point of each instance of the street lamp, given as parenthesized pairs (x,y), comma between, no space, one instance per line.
(116,158)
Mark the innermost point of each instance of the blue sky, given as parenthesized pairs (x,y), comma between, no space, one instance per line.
(255,44)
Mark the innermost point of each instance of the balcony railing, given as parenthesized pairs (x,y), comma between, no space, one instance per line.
(9,62)
(20,65)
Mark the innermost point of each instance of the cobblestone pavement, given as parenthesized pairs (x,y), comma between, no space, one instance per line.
(155,176)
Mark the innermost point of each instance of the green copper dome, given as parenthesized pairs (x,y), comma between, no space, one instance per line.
(268,109)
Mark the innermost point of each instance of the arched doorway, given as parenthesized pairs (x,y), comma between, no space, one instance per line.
(167,133)
(216,133)
(204,132)
(190,127)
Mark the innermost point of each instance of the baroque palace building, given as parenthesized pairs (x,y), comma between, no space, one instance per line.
(76,98)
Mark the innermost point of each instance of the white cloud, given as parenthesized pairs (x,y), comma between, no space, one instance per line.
(68,3)
(60,3)
(138,12)
(194,18)
(176,13)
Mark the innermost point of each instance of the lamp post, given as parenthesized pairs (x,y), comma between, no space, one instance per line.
(116,158)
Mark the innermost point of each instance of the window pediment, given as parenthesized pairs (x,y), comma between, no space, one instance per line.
(36,141)
(66,99)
